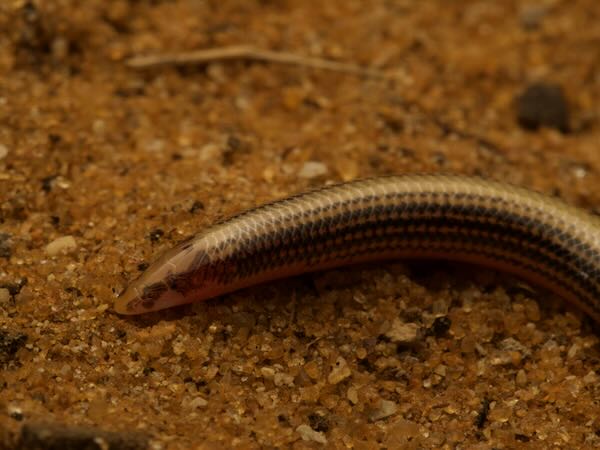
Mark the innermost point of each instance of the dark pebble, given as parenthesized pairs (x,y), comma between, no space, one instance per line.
(197,206)
(17,415)
(543,105)
(48,183)
(155,235)
(522,437)
(233,147)
(318,422)
(74,291)
(483,414)
(10,343)
(43,436)
(14,288)
(5,250)
(440,326)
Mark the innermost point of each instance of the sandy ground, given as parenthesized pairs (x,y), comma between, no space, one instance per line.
(103,166)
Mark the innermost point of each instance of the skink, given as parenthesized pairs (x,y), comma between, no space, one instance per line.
(536,237)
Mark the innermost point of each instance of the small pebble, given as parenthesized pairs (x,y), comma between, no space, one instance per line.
(24,296)
(386,409)
(511,344)
(283,379)
(155,235)
(573,351)
(5,247)
(197,206)
(59,48)
(10,344)
(99,127)
(267,372)
(352,395)
(440,370)
(60,245)
(340,371)
(3,151)
(318,422)
(531,16)
(403,333)
(543,105)
(155,146)
(4,296)
(15,288)
(404,429)
(347,168)
(312,369)
(198,402)
(440,326)
(45,435)
(312,169)
(210,153)
(14,412)
(510,351)
(521,378)
(308,434)
(591,378)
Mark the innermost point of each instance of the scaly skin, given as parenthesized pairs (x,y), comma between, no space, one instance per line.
(538,238)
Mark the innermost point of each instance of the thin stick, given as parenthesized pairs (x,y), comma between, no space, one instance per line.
(248,53)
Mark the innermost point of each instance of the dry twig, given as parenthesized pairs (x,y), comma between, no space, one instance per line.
(246,52)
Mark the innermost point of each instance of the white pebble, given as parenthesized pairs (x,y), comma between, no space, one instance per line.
(591,378)
(267,372)
(352,395)
(283,379)
(210,153)
(62,244)
(340,371)
(308,434)
(198,402)
(312,169)
(403,333)
(386,409)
